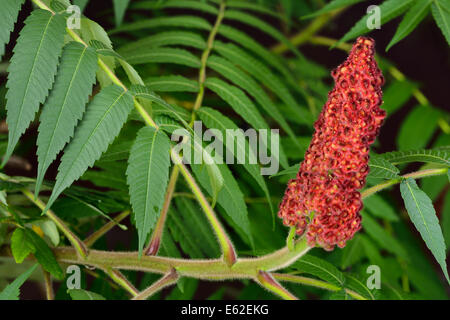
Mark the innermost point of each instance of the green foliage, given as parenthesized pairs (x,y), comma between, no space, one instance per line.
(12,291)
(422,214)
(26,241)
(102,122)
(234,65)
(32,71)
(320,268)
(410,21)
(418,128)
(147,175)
(8,16)
(66,103)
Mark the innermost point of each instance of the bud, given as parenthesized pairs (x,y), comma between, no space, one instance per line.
(323,201)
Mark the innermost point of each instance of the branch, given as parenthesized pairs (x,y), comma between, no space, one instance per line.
(415,175)
(170,278)
(214,269)
(74,240)
(268,282)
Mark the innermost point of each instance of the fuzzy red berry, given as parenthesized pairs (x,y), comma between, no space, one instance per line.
(323,201)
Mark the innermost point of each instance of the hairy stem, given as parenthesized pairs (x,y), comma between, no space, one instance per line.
(122,281)
(229,254)
(267,281)
(90,240)
(155,240)
(170,278)
(74,240)
(214,269)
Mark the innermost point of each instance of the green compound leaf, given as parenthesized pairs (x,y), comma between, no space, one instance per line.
(147,176)
(12,291)
(101,123)
(65,105)
(8,16)
(423,216)
(32,71)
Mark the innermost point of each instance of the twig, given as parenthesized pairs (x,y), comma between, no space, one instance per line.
(268,282)
(170,278)
(122,281)
(50,294)
(90,240)
(415,175)
(74,240)
(315,283)
(155,240)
